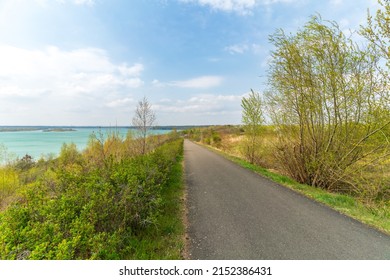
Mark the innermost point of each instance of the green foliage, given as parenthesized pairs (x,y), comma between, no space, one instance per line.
(164,241)
(330,106)
(252,118)
(252,114)
(377,30)
(25,162)
(206,135)
(9,184)
(76,210)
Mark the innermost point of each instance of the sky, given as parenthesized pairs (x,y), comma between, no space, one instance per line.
(89,62)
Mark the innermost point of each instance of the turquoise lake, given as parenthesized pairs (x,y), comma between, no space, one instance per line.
(39,143)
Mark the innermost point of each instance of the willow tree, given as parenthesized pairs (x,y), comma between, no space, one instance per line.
(252,118)
(377,30)
(328,103)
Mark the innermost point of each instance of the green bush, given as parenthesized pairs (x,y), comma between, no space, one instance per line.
(73,212)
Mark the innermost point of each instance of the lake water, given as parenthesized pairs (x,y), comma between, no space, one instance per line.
(38,143)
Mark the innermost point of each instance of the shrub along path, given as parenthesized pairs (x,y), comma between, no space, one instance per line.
(234,213)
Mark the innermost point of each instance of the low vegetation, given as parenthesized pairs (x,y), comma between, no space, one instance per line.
(103,203)
(120,198)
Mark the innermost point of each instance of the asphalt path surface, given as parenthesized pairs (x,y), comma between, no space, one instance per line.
(234,213)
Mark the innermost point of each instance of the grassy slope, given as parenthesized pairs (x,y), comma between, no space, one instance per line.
(378,217)
(166,241)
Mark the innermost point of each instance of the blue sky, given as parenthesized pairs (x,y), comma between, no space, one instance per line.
(88,62)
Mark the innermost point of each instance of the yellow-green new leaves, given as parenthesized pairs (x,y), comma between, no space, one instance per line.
(377,30)
(252,118)
(329,103)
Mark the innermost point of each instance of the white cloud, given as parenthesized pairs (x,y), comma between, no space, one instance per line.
(258,49)
(127,101)
(58,70)
(44,3)
(238,48)
(201,104)
(336,2)
(239,6)
(55,80)
(157,84)
(242,48)
(199,82)
(200,109)
(84,2)
(270,2)
(134,70)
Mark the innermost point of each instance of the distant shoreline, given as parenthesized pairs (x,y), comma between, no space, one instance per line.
(74,128)
(59,129)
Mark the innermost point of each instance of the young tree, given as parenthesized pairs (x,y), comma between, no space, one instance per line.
(144,120)
(328,103)
(377,30)
(252,118)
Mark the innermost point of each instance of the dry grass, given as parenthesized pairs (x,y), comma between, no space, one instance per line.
(373,213)
(370,185)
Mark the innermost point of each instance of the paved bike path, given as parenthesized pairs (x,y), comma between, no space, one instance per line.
(234,213)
